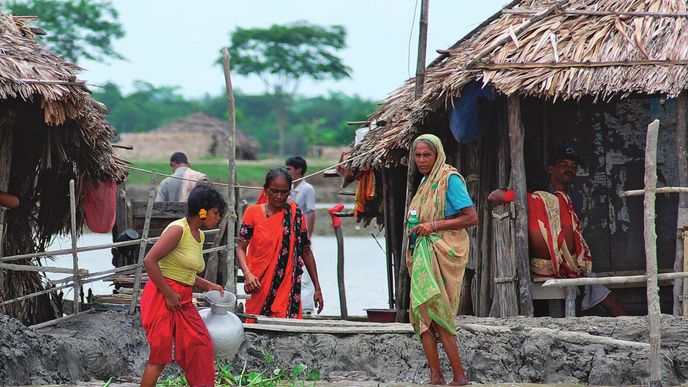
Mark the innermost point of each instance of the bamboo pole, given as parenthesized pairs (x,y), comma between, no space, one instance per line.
(518,181)
(6,144)
(685,264)
(231,155)
(654,312)
(584,12)
(389,251)
(75,255)
(575,64)
(663,190)
(616,280)
(142,246)
(33,268)
(682,218)
(403,282)
(340,271)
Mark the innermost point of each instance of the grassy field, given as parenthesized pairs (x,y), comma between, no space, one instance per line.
(248,172)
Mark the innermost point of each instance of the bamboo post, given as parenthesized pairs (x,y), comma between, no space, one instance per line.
(340,272)
(518,181)
(403,282)
(75,255)
(144,242)
(654,312)
(682,219)
(570,307)
(685,264)
(6,143)
(231,155)
(389,253)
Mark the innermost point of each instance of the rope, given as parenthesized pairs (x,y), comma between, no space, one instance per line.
(149,171)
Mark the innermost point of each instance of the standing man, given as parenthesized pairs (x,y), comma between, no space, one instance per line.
(184,179)
(303,194)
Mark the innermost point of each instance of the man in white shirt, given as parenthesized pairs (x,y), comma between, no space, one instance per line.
(177,188)
(303,194)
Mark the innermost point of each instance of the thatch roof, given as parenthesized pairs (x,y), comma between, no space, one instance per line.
(30,73)
(551,49)
(53,131)
(201,122)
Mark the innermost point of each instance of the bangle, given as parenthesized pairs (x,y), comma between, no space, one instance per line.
(434,226)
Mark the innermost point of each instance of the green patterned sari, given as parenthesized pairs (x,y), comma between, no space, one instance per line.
(439,259)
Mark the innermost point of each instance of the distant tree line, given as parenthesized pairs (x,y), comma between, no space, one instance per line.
(312,120)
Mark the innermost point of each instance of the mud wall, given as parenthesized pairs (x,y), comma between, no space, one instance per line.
(589,350)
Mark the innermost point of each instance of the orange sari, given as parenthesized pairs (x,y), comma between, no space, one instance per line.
(275,256)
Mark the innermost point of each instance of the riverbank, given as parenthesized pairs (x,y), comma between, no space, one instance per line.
(589,350)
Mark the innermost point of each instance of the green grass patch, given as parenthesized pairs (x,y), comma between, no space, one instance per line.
(249,172)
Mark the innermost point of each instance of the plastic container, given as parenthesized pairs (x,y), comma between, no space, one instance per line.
(412,222)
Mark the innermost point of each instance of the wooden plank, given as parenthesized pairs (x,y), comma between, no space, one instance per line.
(386,329)
(654,311)
(547,293)
(518,182)
(164,210)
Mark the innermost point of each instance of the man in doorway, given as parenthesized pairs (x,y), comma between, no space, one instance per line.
(557,246)
(303,194)
(183,180)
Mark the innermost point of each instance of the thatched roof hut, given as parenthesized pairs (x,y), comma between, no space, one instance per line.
(51,131)
(601,49)
(197,135)
(592,73)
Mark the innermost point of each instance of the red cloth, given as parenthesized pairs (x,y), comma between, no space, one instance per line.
(100,205)
(193,349)
(262,197)
(276,261)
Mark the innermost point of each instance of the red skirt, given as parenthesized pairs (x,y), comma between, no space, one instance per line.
(193,349)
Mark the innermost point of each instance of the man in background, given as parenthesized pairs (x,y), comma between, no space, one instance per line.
(183,180)
(303,194)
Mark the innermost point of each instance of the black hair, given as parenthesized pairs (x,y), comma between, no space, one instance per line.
(275,173)
(206,197)
(179,158)
(297,162)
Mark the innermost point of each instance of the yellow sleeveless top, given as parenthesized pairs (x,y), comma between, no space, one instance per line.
(182,263)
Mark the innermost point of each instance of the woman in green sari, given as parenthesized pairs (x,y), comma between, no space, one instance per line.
(437,262)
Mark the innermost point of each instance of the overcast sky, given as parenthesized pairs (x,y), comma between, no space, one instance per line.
(174,43)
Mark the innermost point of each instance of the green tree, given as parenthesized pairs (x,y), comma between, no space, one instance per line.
(76,29)
(283,55)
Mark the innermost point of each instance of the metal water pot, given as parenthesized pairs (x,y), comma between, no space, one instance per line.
(226,330)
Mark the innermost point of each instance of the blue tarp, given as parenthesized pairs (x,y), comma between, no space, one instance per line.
(464,121)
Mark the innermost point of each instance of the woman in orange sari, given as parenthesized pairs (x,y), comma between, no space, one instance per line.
(272,248)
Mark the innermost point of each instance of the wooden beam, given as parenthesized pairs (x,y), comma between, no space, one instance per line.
(584,12)
(518,182)
(231,177)
(682,218)
(74,238)
(654,312)
(340,272)
(570,64)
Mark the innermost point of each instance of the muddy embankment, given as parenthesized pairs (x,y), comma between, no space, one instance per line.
(589,350)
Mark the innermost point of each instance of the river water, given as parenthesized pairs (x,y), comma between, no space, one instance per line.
(364,270)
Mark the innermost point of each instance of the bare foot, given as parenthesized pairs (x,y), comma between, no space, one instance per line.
(461,381)
(436,378)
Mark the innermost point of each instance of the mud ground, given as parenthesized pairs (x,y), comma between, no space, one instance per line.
(587,350)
